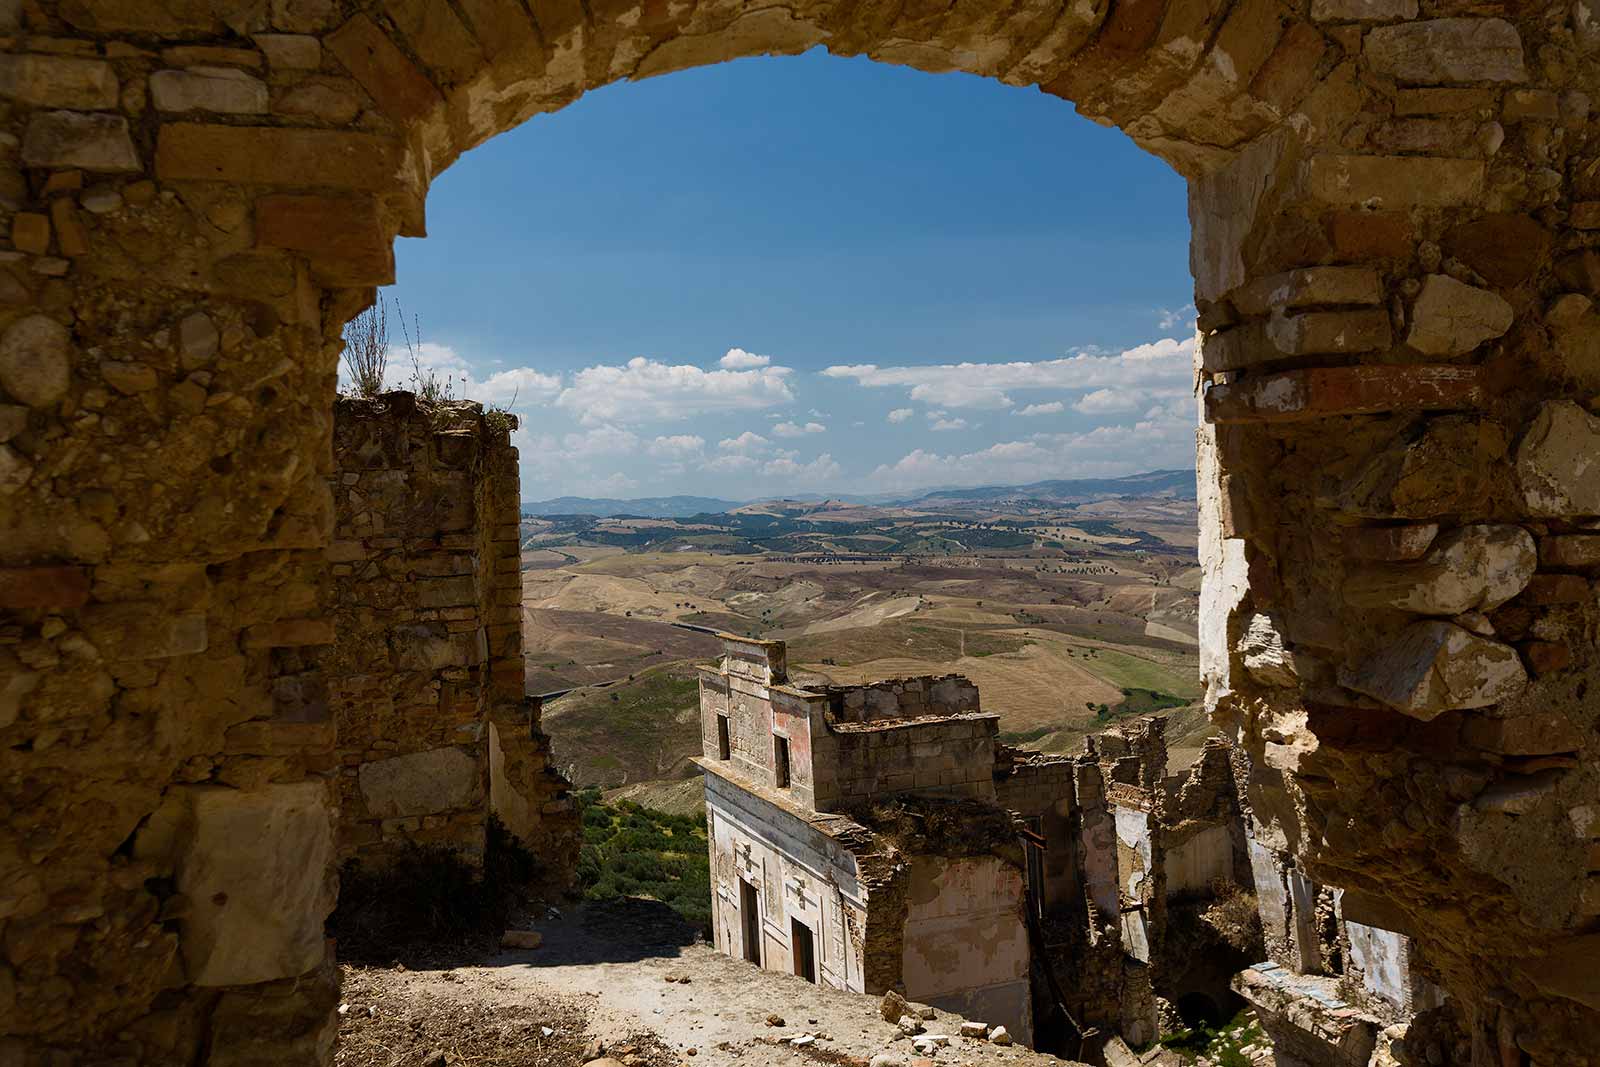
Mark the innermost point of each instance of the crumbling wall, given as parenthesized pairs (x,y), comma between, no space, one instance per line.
(953,756)
(426,675)
(900,698)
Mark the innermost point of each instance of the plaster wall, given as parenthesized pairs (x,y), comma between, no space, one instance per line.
(1197,859)
(800,873)
(966,947)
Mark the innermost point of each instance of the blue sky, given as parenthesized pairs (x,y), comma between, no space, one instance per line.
(812,274)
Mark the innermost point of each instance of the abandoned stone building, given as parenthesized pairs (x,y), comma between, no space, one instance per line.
(879,837)
(1396,254)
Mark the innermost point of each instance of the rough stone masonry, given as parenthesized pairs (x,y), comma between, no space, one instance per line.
(1396,208)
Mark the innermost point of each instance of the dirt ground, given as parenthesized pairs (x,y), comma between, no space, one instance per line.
(629,980)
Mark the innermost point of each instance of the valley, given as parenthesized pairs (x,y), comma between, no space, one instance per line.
(1069,604)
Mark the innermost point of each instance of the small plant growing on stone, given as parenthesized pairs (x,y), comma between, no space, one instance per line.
(366,349)
(431,387)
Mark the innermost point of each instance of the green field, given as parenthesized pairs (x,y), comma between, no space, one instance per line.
(1134,672)
(637,729)
(631,851)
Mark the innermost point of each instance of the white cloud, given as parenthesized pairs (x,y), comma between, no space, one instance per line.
(600,441)
(732,464)
(678,446)
(818,472)
(1110,402)
(644,390)
(790,429)
(900,414)
(746,442)
(524,385)
(739,359)
(939,425)
(1171,318)
(1159,366)
(1164,437)
(1055,407)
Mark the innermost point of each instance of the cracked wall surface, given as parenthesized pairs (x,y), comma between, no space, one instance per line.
(1395,207)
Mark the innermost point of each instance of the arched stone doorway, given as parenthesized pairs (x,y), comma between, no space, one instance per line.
(1394,209)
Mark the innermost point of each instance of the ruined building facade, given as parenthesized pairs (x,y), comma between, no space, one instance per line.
(878,837)
(1396,253)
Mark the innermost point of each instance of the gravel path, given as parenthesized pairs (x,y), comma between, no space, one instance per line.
(629,982)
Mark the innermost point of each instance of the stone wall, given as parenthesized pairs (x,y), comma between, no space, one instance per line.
(425,678)
(901,698)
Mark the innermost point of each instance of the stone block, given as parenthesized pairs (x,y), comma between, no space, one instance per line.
(30,232)
(289,633)
(1558,461)
(1324,392)
(1547,656)
(1443,101)
(345,237)
(1264,654)
(1440,471)
(421,783)
(1363,10)
(1546,590)
(143,630)
(36,361)
(1308,287)
(1505,248)
(58,81)
(401,90)
(1519,794)
(1390,544)
(1442,51)
(290,51)
(257,155)
(1540,105)
(1585,215)
(446,592)
(93,142)
(1473,568)
(223,90)
(1570,551)
(1367,235)
(257,869)
(43,588)
(1450,318)
(1432,667)
(1330,332)
(1394,181)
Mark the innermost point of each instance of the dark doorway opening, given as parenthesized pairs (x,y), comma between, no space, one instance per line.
(805,950)
(750,914)
(724,750)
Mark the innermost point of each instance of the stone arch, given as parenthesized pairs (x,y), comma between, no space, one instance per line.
(1393,205)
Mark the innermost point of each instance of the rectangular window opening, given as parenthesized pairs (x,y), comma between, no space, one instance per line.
(805,950)
(780,760)
(724,750)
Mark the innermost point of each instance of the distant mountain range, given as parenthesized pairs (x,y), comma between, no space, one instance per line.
(1178,485)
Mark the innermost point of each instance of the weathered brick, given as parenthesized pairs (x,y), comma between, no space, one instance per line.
(1551,589)
(94,142)
(1394,181)
(1308,287)
(1577,551)
(1442,101)
(375,61)
(1331,391)
(1368,235)
(1314,332)
(1439,51)
(53,588)
(58,81)
(344,237)
(1390,544)
(268,156)
(289,633)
